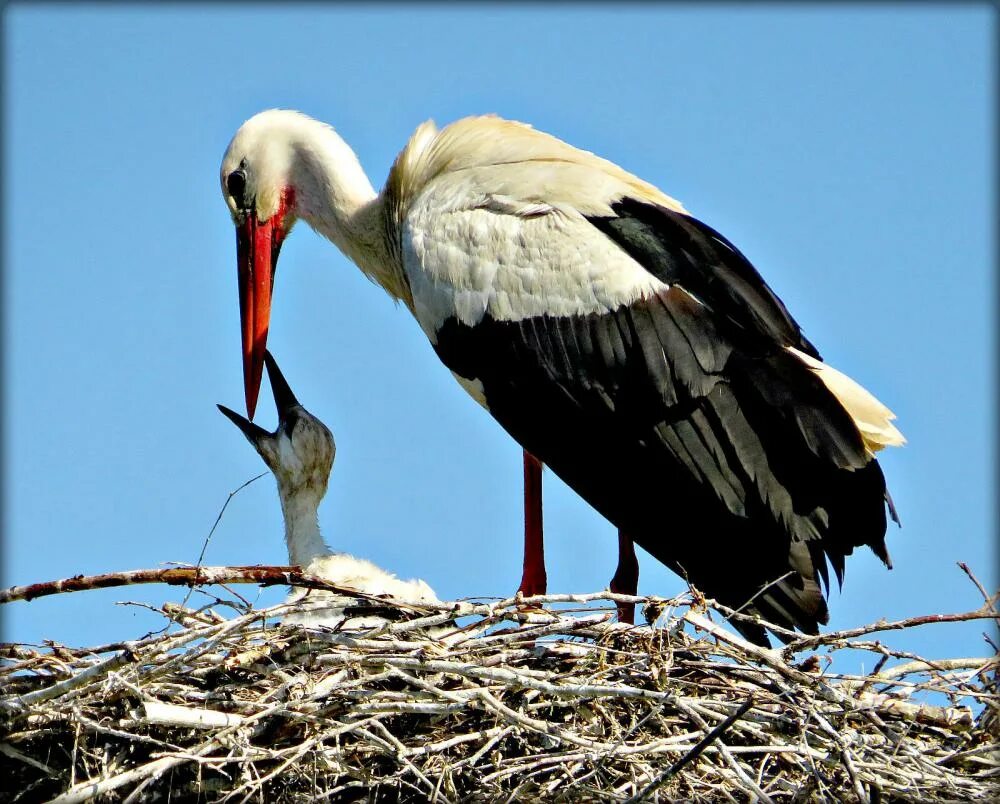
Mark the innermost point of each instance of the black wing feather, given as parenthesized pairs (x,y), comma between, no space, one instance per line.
(681,250)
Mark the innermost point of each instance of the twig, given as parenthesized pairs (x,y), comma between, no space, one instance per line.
(707,740)
(989,600)
(218,519)
(831,637)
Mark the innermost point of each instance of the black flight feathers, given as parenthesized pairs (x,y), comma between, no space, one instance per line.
(680,250)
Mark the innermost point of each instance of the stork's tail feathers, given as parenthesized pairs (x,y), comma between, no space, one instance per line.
(872,418)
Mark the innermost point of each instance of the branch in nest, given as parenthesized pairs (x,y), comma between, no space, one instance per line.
(178,576)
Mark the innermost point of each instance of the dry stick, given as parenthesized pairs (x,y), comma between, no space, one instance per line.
(528,633)
(268,575)
(707,740)
(989,600)
(153,770)
(256,785)
(805,643)
(184,716)
(444,745)
(948,717)
(85,791)
(181,576)
(761,591)
(260,574)
(766,656)
(977,663)
(456,698)
(498,734)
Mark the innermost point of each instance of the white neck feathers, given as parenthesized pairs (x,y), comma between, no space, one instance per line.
(302,534)
(334,196)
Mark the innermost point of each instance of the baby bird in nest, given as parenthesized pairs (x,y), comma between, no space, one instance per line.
(300,454)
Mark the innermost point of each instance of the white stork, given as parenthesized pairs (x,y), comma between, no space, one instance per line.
(617,338)
(300,455)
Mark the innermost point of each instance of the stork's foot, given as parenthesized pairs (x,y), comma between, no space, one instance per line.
(532,583)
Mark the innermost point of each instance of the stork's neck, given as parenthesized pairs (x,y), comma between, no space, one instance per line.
(302,527)
(335,198)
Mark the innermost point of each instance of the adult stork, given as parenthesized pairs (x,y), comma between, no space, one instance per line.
(626,344)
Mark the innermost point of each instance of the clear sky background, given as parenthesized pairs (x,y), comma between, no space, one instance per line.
(846,149)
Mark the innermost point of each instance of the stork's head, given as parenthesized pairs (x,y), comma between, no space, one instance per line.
(256,183)
(300,451)
(280,166)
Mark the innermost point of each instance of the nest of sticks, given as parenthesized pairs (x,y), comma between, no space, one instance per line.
(494,701)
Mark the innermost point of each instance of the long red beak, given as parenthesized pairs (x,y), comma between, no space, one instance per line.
(257,247)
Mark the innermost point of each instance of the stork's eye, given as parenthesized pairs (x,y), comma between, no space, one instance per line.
(236,184)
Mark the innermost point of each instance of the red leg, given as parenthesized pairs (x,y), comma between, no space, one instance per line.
(533,577)
(626,579)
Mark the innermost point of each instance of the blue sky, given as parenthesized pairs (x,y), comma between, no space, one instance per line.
(846,149)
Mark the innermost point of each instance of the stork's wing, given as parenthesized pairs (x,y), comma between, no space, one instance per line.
(641,356)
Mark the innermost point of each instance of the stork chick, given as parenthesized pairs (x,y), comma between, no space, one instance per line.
(300,454)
